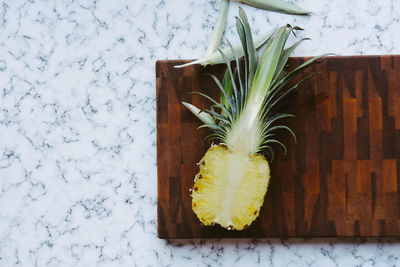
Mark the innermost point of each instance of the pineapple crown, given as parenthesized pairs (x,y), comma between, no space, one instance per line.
(246,117)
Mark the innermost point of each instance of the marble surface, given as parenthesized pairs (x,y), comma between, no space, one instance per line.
(78,137)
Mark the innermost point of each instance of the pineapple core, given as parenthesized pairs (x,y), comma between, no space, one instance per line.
(230,187)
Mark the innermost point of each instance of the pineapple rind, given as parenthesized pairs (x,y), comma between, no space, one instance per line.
(230,187)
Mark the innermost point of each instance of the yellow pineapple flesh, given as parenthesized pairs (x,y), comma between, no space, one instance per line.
(230,187)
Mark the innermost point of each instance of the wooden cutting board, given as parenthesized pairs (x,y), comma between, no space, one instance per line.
(341,179)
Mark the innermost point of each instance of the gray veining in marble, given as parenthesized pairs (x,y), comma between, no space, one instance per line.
(78,138)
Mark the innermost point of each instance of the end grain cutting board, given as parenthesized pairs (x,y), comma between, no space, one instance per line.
(341,179)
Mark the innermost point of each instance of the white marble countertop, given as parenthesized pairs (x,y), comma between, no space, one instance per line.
(78,138)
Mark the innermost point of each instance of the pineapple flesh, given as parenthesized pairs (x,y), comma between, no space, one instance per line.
(230,187)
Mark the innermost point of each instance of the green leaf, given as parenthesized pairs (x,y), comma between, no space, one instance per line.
(219,28)
(219,105)
(235,97)
(284,127)
(267,66)
(227,84)
(276,117)
(201,115)
(294,72)
(217,136)
(277,142)
(219,117)
(229,99)
(217,127)
(276,6)
(284,58)
(240,31)
(216,58)
(251,51)
(271,102)
(238,73)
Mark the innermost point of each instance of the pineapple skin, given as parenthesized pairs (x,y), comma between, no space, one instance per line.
(230,187)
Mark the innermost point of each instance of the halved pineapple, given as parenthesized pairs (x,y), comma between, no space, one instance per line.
(230,187)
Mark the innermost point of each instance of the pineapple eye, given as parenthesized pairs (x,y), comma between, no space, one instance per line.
(255,212)
(195,188)
(200,176)
(203,163)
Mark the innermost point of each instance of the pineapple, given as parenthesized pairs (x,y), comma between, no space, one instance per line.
(230,187)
